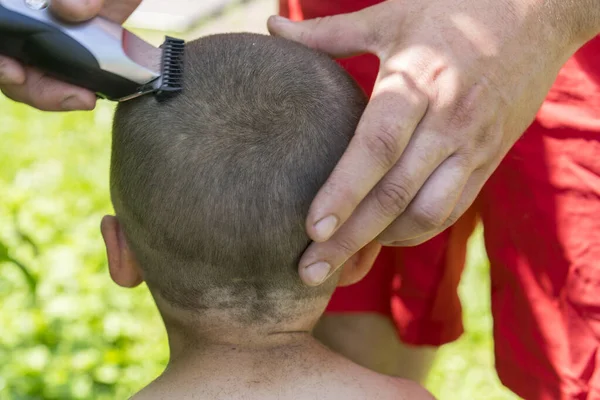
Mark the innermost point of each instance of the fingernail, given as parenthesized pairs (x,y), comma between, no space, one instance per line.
(73,103)
(325,227)
(316,273)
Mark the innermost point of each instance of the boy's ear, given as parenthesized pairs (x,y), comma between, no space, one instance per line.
(359,264)
(123,266)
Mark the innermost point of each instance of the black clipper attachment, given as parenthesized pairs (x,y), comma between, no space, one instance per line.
(172,64)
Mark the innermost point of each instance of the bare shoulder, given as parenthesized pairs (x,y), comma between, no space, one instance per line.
(382,387)
(143,394)
(361,383)
(154,391)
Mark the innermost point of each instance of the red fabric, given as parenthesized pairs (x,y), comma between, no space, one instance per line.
(541,213)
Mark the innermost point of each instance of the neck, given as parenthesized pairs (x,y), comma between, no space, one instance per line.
(185,345)
(267,349)
(201,331)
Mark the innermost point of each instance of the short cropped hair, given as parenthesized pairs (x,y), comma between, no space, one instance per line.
(212,187)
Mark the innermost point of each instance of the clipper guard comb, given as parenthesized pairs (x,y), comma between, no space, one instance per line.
(171,81)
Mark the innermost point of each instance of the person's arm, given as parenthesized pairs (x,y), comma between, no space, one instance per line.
(459,82)
(582,16)
(30,86)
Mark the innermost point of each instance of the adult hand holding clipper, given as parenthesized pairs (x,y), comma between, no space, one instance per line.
(31,86)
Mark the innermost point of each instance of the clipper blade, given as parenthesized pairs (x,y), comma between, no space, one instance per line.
(171,80)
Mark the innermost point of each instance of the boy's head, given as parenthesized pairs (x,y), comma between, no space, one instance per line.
(211,188)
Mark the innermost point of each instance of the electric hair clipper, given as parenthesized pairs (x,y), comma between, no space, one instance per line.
(98,55)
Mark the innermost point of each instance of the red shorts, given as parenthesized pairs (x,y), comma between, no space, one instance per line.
(541,217)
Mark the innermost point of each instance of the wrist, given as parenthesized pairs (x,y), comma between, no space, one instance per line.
(579,20)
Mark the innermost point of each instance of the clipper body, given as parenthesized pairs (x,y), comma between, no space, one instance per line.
(98,55)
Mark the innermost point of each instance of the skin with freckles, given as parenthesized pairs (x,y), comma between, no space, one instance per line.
(295,372)
(459,82)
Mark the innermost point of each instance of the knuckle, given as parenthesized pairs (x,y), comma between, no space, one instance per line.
(420,99)
(38,97)
(490,137)
(468,109)
(45,93)
(451,220)
(485,137)
(432,150)
(461,115)
(373,37)
(393,197)
(484,145)
(432,147)
(382,145)
(346,245)
(414,98)
(464,162)
(480,140)
(429,217)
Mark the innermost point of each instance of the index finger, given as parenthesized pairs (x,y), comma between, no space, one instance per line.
(392,115)
(45,93)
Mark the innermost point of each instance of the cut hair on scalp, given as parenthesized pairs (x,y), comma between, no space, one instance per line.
(212,187)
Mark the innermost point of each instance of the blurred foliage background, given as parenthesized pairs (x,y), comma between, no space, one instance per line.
(66,331)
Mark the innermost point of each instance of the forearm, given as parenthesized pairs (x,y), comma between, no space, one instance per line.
(590,17)
(579,19)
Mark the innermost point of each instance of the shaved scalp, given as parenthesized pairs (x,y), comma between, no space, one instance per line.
(212,187)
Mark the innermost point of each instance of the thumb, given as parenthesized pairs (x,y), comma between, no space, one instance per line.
(341,35)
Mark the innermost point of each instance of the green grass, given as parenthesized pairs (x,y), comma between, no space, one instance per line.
(66,331)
